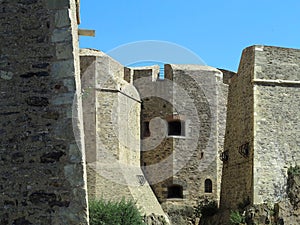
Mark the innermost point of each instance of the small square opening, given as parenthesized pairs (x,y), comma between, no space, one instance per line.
(175,191)
(176,128)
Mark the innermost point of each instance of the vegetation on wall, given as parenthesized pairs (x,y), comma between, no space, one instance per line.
(122,212)
(206,208)
(293,183)
(236,218)
(294,170)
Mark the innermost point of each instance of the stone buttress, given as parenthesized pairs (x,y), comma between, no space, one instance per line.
(112,127)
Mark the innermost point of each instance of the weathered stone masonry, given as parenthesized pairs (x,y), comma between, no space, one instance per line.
(262,134)
(236,167)
(277,132)
(41,160)
(182,163)
(42,125)
(112,127)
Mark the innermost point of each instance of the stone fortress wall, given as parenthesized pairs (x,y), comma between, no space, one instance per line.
(182,163)
(276,82)
(262,131)
(112,128)
(204,85)
(125,134)
(42,162)
(238,167)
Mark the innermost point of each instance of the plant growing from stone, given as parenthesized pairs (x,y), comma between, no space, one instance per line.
(236,218)
(294,170)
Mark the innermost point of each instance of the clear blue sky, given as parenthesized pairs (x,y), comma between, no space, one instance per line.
(216,30)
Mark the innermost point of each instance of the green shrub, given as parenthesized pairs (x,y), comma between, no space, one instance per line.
(236,218)
(206,208)
(114,213)
(294,170)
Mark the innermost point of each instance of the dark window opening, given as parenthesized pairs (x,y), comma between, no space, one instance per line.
(176,128)
(175,191)
(202,154)
(208,186)
(146,130)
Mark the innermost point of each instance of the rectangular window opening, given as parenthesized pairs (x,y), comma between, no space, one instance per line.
(145,129)
(176,128)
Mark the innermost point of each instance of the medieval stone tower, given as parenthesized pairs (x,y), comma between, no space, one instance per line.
(42,161)
(183,126)
(262,131)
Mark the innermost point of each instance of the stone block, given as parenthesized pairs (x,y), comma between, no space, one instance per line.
(75,155)
(57,4)
(62,18)
(6,75)
(73,174)
(64,51)
(61,35)
(63,99)
(63,69)
(69,84)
